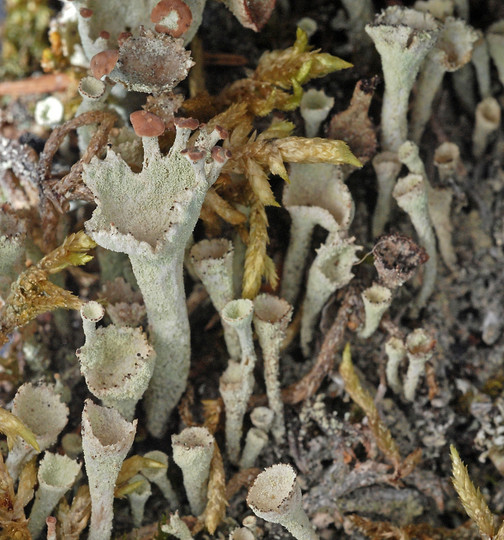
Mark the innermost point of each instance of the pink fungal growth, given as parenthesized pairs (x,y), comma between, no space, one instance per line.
(186,123)
(103,63)
(220,155)
(172,17)
(147,124)
(123,37)
(86,13)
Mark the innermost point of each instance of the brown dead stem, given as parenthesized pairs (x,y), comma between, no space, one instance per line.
(243,478)
(54,82)
(421,531)
(310,383)
(72,520)
(197,83)
(184,407)
(212,411)
(224,59)
(54,195)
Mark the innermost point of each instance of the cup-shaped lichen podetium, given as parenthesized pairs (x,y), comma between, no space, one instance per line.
(116,361)
(453,50)
(150,216)
(331,270)
(275,496)
(212,261)
(316,195)
(402,37)
(42,411)
(193,449)
(56,475)
(106,439)
(271,318)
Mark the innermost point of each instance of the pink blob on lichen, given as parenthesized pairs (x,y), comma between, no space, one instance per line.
(103,63)
(172,17)
(147,124)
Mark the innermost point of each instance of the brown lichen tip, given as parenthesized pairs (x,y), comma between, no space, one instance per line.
(252,14)
(86,13)
(223,133)
(103,63)
(220,155)
(123,37)
(186,123)
(193,154)
(147,124)
(173,17)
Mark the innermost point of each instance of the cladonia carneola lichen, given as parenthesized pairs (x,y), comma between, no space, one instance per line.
(150,216)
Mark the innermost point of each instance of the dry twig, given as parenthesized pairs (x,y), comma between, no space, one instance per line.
(243,478)
(72,520)
(54,195)
(44,84)
(310,383)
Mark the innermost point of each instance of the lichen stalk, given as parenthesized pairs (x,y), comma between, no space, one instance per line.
(106,439)
(238,315)
(488,118)
(56,475)
(162,284)
(481,61)
(116,361)
(386,166)
(377,300)
(276,497)
(438,202)
(255,441)
(495,41)
(448,163)
(213,262)
(193,449)
(419,347)
(304,219)
(396,352)
(315,196)
(158,476)
(138,498)
(235,387)
(315,106)
(331,270)
(453,50)
(237,382)
(271,318)
(411,195)
(402,37)
(42,411)
(151,216)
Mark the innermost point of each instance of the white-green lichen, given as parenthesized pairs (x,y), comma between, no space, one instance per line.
(150,216)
